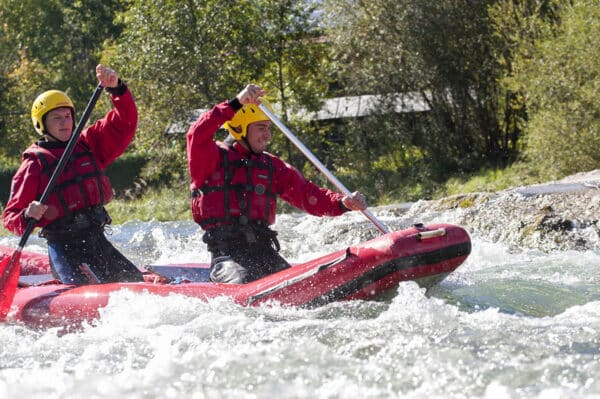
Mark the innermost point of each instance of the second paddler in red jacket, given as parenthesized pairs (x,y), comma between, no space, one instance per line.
(73,219)
(235,186)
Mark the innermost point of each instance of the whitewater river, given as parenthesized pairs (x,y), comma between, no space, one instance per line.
(508,323)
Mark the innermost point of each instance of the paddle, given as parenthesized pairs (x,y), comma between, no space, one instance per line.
(10,268)
(382,228)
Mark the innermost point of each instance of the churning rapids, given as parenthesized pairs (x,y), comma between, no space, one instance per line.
(519,319)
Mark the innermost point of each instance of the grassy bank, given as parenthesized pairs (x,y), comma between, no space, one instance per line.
(156,204)
(490,180)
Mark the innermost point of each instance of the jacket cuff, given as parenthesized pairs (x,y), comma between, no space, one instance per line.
(344,207)
(117,91)
(235,104)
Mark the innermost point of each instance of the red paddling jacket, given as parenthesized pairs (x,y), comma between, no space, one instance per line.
(83,183)
(231,184)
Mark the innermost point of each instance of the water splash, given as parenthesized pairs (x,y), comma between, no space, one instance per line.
(511,322)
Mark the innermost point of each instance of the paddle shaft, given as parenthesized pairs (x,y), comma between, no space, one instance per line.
(319,165)
(62,162)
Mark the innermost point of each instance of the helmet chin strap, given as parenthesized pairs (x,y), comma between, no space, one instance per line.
(54,137)
(245,138)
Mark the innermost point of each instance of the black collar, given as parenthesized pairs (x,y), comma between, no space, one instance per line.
(51,144)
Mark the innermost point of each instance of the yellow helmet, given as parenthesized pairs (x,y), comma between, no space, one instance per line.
(46,102)
(249,113)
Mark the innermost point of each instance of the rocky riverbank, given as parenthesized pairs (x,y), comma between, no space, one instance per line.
(560,215)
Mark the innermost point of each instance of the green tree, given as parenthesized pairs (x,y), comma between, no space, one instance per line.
(23,52)
(180,56)
(561,78)
(8,60)
(296,74)
(440,50)
(49,44)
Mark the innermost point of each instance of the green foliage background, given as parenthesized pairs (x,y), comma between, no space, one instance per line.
(562,82)
(511,86)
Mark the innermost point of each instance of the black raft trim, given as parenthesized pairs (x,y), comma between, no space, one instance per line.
(388,268)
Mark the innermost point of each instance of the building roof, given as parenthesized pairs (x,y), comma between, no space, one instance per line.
(335,108)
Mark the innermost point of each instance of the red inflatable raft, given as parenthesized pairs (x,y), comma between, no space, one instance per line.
(426,254)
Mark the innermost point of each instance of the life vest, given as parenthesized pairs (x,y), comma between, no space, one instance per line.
(239,192)
(82,184)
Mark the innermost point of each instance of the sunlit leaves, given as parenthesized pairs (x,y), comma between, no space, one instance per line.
(184,55)
(50,44)
(438,48)
(562,84)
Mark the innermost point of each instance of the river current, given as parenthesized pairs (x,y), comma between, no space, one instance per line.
(509,323)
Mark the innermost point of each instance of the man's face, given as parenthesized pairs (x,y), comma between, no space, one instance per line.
(259,135)
(59,123)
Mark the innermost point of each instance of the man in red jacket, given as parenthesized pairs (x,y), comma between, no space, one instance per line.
(74,217)
(235,186)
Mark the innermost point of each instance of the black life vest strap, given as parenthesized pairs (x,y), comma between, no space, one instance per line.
(228,177)
(269,189)
(46,167)
(98,173)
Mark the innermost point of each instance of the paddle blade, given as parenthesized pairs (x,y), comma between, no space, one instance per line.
(10,270)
